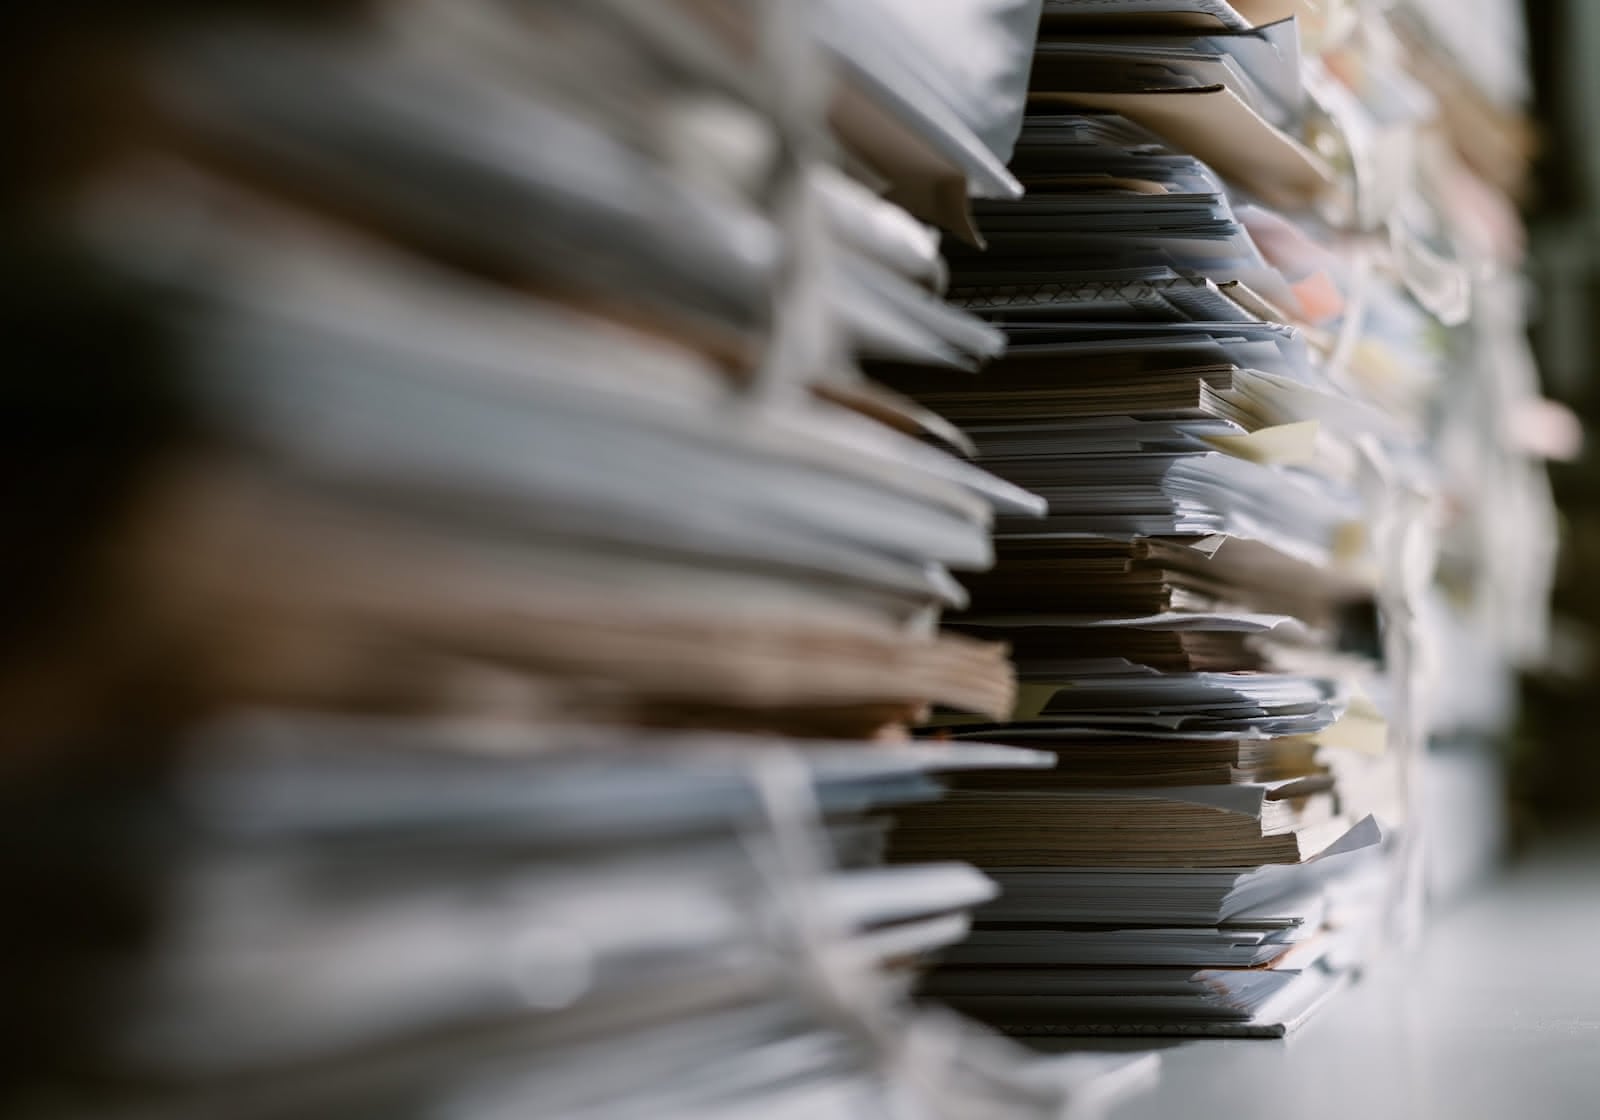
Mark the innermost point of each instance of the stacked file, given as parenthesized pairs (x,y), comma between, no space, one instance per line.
(425,923)
(464,699)
(492,467)
(1490,606)
(1222,392)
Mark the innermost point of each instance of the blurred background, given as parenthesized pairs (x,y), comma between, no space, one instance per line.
(1554,780)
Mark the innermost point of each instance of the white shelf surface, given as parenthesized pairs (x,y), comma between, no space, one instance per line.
(1495,1017)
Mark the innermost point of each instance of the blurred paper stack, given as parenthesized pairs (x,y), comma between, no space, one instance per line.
(341,915)
(459,565)
(1224,294)
(1490,605)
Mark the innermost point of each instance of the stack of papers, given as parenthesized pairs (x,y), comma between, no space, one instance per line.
(483,456)
(1149,579)
(1193,618)
(340,913)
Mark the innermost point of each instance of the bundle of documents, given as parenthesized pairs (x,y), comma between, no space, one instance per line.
(481,645)
(345,915)
(518,481)
(1490,606)
(1222,291)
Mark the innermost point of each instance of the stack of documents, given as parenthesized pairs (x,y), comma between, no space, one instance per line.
(497,399)
(1491,603)
(339,916)
(1193,384)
